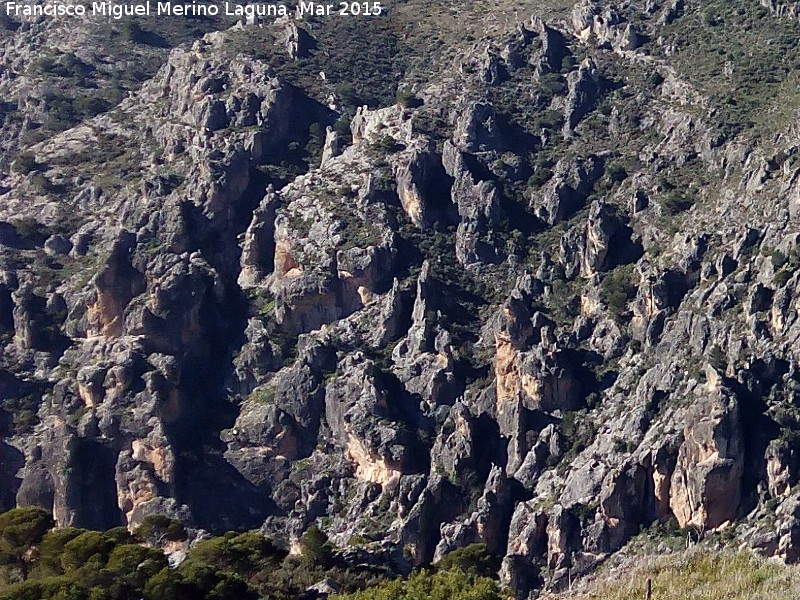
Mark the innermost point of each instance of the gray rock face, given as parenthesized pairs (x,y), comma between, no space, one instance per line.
(423,359)
(478,205)
(258,246)
(584,90)
(595,247)
(553,46)
(296,41)
(478,128)
(487,524)
(606,26)
(420,178)
(56,244)
(542,304)
(567,190)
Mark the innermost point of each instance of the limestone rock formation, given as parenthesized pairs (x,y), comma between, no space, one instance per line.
(706,485)
(528,282)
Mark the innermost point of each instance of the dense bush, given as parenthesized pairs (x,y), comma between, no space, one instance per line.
(24,163)
(407,99)
(675,202)
(617,289)
(552,84)
(616,172)
(156,528)
(19,414)
(717,358)
(475,559)
(356,55)
(740,58)
(21,530)
(443,585)
(540,177)
(67,65)
(38,562)
(133,32)
(29,229)
(315,547)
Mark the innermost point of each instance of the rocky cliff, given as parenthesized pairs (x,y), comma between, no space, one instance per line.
(518,277)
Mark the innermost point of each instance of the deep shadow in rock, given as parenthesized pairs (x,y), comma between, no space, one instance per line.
(492,448)
(220,498)
(762,381)
(11,461)
(97,507)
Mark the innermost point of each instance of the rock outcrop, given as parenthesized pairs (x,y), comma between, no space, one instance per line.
(541,297)
(706,486)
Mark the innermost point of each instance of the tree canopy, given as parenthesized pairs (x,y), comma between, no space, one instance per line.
(41,562)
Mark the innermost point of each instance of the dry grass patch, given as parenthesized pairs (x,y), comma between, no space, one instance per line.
(695,575)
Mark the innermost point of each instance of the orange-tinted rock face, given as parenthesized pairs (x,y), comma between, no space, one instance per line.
(506,374)
(285,263)
(368,467)
(115,286)
(706,485)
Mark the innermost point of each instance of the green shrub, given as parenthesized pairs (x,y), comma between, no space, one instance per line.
(167,584)
(616,172)
(157,528)
(52,547)
(782,277)
(550,119)
(676,202)
(388,145)
(358,54)
(54,588)
(474,558)
(22,529)
(40,563)
(359,540)
(240,553)
(67,65)
(135,564)
(442,585)
(617,289)
(7,23)
(540,177)
(208,582)
(407,99)
(717,358)
(315,548)
(552,84)
(579,430)
(342,126)
(655,79)
(133,32)
(779,259)
(120,535)
(25,163)
(89,547)
(90,106)
(41,183)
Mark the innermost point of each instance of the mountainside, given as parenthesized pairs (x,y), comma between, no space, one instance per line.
(520,274)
